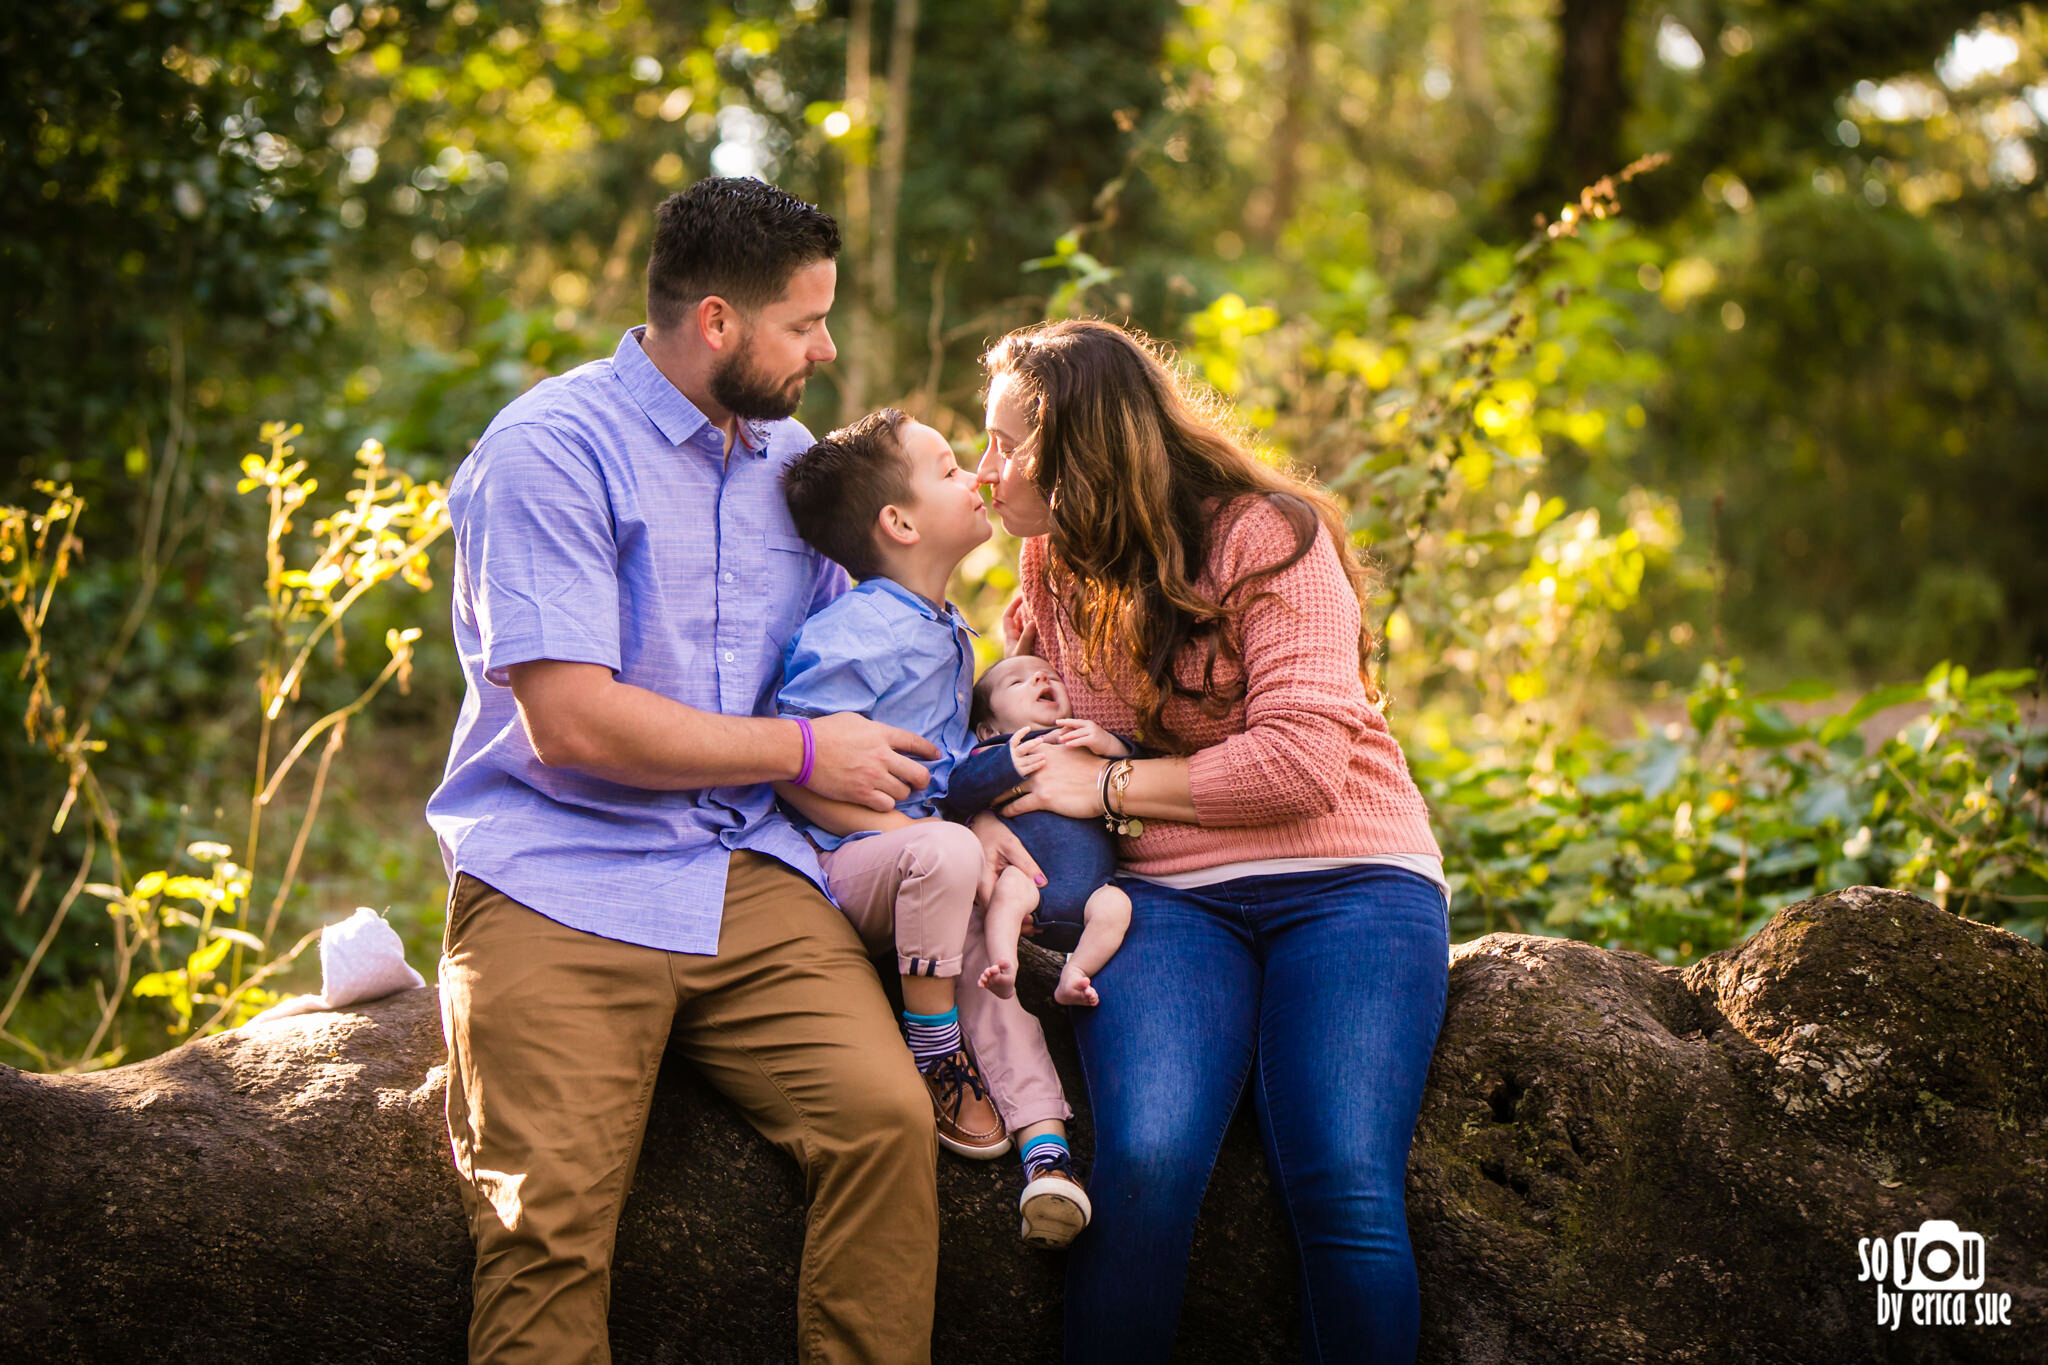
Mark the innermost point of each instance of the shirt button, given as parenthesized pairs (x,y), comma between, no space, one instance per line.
(728,577)
(728,656)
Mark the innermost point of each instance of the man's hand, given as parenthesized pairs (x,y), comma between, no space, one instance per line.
(866,763)
(1000,848)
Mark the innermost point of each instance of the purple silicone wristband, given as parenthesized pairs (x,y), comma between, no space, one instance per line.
(803,774)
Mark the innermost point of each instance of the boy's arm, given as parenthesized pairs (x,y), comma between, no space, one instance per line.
(838,817)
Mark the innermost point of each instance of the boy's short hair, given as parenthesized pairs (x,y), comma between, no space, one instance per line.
(837,489)
(734,237)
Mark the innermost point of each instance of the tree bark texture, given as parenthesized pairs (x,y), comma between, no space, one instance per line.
(1616,1161)
(874,153)
(1591,96)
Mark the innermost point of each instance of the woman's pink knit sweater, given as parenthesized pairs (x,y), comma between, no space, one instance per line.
(1302,766)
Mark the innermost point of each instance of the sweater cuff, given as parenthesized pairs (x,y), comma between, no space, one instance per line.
(1215,791)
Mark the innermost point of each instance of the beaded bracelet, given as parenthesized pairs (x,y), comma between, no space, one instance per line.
(803,773)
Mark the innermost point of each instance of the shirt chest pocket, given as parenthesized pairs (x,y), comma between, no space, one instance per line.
(790,572)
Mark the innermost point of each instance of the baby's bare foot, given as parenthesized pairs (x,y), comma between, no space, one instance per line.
(1000,978)
(1075,988)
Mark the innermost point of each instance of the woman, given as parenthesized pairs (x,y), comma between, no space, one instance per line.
(1289,932)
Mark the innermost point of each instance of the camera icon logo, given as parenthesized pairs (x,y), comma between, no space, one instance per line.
(1938,1256)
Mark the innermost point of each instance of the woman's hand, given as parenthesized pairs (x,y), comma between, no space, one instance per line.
(1069,783)
(1020,631)
(1000,848)
(1086,734)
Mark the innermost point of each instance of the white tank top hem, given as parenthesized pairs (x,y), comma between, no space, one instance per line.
(1421,864)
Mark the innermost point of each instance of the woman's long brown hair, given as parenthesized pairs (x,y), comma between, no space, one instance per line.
(1140,466)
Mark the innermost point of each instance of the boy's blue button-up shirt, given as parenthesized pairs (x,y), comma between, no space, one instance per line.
(600,521)
(892,656)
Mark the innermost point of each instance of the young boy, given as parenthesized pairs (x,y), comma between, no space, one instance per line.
(1078,912)
(886,499)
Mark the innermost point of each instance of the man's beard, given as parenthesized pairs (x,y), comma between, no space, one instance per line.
(745,391)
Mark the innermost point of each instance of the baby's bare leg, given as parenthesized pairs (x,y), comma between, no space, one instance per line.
(1014,897)
(1109,914)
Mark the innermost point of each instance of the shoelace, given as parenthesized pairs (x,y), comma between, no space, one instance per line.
(1063,1164)
(956,1075)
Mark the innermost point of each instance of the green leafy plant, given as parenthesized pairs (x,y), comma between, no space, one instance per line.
(1686,836)
(191,933)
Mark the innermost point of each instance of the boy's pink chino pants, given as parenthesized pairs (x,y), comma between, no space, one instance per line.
(910,894)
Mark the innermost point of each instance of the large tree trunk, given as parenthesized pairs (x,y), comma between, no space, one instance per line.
(874,196)
(1616,1161)
(1590,97)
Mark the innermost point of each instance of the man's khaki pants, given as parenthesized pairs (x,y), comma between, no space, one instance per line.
(554,1039)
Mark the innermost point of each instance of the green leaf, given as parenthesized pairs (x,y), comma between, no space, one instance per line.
(1766,727)
(1660,773)
(1576,860)
(159,983)
(208,957)
(2000,682)
(1811,689)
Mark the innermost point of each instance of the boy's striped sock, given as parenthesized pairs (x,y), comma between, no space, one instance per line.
(1044,1152)
(932,1037)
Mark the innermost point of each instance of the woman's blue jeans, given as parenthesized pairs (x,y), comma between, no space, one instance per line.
(1325,990)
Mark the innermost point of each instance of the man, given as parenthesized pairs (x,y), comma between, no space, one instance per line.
(626,580)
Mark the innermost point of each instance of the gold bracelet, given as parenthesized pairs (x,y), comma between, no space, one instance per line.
(1116,780)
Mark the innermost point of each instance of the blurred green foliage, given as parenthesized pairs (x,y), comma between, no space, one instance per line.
(1686,837)
(381,529)
(1786,404)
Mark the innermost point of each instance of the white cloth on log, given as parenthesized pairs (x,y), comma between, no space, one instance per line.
(360,959)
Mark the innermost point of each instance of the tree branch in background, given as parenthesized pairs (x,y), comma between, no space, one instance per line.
(857,212)
(895,138)
(935,340)
(1297,94)
(1791,81)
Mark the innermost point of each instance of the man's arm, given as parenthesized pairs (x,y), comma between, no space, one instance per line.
(580,716)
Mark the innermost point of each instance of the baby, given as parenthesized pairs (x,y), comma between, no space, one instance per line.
(1077,912)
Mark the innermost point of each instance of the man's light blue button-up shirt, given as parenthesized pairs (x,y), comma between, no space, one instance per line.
(600,521)
(885,652)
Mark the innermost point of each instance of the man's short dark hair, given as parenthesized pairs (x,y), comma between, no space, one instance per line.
(837,489)
(737,238)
